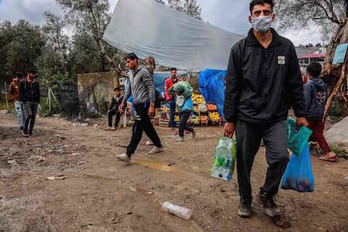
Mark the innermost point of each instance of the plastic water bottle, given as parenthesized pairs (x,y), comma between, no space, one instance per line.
(224,159)
(179,211)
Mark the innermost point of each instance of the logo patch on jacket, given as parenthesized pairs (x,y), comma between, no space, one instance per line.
(281,60)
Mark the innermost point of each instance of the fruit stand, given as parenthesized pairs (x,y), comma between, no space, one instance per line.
(203,115)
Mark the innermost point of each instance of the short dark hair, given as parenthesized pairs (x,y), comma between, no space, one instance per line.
(260,2)
(131,56)
(117,88)
(19,75)
(173,68)
(31,71)
(314,69)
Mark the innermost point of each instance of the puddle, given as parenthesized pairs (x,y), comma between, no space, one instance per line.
(156,166)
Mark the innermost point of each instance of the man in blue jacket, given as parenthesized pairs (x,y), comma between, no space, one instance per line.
(263,79)
(316,97)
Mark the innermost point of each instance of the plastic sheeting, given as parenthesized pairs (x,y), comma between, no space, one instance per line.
(212,86)
(173,38)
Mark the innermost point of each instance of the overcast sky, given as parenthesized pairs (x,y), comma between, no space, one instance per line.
(231,15)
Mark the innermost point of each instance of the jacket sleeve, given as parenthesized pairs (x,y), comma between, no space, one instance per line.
(233,82)
(308,95)
(294,85)
(12,90)
(148,81)
(127,92)
(166,89)
(113,103)
(21,91)
(38,93)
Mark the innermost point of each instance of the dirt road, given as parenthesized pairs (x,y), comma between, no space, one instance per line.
(92,191)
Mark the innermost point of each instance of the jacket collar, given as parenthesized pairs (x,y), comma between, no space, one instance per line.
(252,41)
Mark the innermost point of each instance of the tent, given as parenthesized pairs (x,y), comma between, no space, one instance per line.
(174,38)
(212,86)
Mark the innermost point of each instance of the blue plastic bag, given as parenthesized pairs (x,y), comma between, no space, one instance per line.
(298,175)
(297,140)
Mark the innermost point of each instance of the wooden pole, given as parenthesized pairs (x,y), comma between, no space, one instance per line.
(6,97)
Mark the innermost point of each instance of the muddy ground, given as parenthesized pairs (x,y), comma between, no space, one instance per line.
(92,191)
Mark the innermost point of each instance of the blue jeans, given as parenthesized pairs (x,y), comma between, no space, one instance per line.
(172,113)
(20,115)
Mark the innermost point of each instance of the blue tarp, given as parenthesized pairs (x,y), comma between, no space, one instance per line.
(212,87)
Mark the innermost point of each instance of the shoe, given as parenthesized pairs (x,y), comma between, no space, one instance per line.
(269,205)
(194,134)
(156,150)
(148,143)
(124,157)
(180,139)
(24,135)
(244,209)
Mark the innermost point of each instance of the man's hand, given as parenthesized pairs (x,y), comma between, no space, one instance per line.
(301,122)
(121,107)
(152,108)
(229,129)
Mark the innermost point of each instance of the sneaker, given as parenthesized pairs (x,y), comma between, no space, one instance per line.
(24,135)
(244,209)
(156,150)
(269,205)
(124,157)
(180,139)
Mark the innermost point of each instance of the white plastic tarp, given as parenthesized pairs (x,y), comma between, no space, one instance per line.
(173,38)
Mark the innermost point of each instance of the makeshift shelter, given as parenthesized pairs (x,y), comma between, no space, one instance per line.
(173,38)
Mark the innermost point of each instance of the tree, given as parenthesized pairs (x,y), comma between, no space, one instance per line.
(20,45)
(53,30)
(191,8)
(327,15)
(91,17)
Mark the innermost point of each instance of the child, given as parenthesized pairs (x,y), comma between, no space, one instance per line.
(184,105)
(315,92)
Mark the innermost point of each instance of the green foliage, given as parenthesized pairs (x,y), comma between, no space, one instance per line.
(45,110)
(336,111)
(340,152)
(20,45)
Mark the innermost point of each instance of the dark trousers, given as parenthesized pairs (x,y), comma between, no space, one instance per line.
(183,117)
(172,113)
(30,109)
(317,127)
(142,123)
(111,114)
(248,142)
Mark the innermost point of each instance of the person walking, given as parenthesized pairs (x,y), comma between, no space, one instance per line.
(183,98)
(14,94)
(263,78)
(142,87)
(29,94)
(316,97)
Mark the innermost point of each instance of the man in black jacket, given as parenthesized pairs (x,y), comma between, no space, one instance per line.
(29,94)
(113,109)
(263,79)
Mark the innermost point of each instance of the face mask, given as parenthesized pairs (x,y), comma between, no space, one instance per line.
(261,24)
